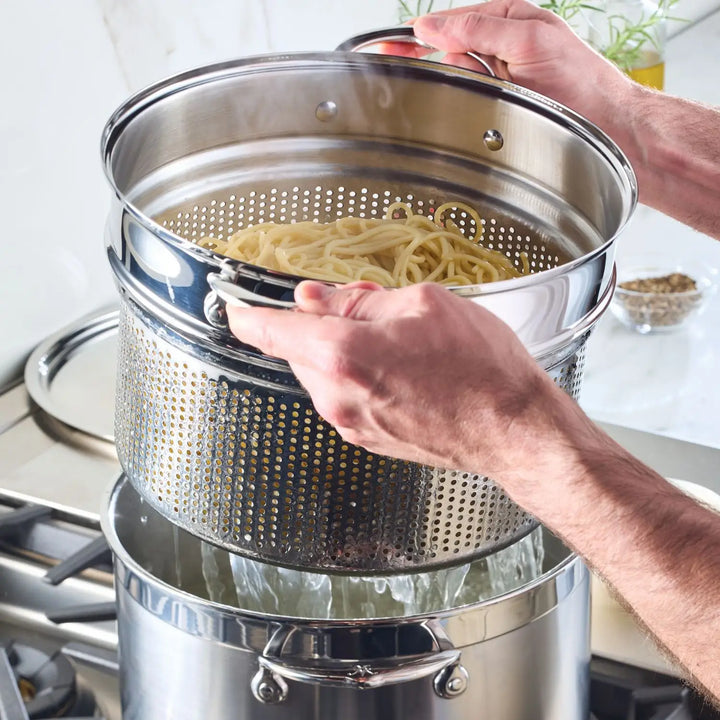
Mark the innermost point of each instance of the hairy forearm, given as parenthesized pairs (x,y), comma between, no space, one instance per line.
(658,549)
(674,146)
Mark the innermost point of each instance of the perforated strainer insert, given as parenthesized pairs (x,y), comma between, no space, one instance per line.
(254,469)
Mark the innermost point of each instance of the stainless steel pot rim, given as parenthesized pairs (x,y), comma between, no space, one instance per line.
(569,119)
(580,328)
(539,596)
(64,353)
(541,352)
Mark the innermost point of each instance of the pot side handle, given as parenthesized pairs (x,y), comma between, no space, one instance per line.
(450,678)
(269,684)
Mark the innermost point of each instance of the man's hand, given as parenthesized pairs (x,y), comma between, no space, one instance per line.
(671,142)
(416,373)
(528,46)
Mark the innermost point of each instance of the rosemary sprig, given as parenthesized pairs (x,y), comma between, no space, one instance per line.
(626,40)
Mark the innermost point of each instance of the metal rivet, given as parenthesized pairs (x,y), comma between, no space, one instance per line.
(493,139)
(267,692)
(215,311)
(326,111)
(268,688)
(455,685)
(451,682)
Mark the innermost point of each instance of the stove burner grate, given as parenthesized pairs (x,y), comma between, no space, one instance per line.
(35,684)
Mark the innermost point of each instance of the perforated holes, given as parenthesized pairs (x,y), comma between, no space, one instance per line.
(568,375)
(238,463)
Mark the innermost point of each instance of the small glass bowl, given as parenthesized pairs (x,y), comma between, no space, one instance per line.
(662,310)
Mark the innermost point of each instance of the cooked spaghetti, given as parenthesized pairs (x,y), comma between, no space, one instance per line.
(392,251)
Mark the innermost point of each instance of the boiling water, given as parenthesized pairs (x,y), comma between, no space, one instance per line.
(269,589)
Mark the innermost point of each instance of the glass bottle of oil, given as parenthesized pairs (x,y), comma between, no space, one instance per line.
(632,33)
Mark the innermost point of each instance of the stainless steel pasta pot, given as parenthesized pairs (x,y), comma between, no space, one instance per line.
(520,655)
(222,440)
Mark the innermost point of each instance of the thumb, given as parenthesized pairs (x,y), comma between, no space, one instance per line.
(356,300)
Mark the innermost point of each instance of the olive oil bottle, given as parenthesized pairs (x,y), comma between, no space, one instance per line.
(649,71)
(632,33)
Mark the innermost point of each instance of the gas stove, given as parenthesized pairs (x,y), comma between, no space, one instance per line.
(58,642)
(58,636)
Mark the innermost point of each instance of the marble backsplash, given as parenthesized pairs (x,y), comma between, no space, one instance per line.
(155,38)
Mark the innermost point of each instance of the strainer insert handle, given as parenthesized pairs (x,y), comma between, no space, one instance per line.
(231,293)
(402,34)
(234,294)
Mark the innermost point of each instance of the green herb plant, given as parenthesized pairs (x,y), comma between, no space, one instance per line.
(626,40)
(568,9)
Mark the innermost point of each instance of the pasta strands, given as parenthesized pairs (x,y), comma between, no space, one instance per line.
(392,251)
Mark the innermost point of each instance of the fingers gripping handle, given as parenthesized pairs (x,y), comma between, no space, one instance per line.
(238,290)
(403,33)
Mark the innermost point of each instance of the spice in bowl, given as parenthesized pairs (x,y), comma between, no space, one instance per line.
(656,301)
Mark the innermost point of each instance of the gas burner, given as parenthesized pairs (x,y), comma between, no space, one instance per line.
(39,684)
